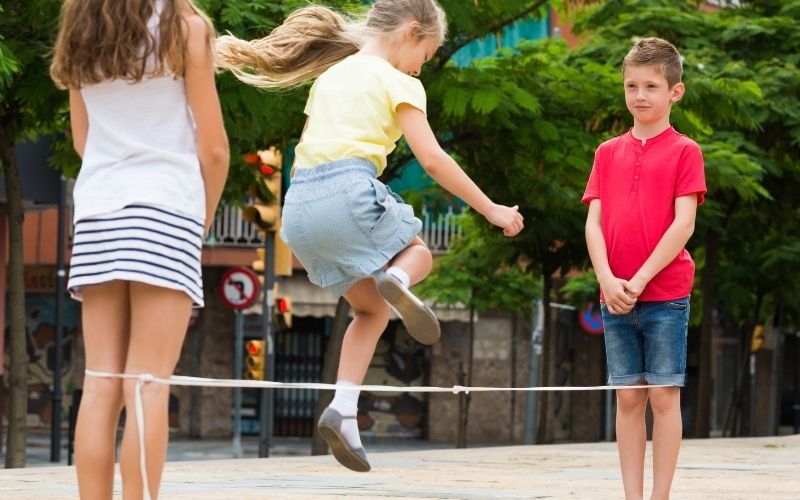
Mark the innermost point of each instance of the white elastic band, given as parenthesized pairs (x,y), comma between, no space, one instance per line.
(144,378)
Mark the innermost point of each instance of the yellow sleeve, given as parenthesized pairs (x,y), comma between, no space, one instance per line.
(307,109)
(407,90)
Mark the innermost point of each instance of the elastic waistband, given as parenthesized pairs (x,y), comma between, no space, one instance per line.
(346,166)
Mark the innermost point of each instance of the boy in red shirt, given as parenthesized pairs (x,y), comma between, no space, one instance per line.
(643,195)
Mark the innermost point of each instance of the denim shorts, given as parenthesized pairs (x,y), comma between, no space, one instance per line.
(343,224)
(648,344)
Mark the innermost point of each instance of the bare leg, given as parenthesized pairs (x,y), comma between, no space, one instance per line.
(415,259)
(631,440)
(106,317)
(159,319)
(371,317)
(667,432)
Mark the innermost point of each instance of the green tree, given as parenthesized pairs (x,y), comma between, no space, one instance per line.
(27,103)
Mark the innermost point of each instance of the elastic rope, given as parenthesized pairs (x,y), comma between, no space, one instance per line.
(144,378)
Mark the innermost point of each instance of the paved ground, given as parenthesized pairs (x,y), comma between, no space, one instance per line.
(730,469)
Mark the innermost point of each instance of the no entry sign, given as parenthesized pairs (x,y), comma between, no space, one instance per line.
(239,288)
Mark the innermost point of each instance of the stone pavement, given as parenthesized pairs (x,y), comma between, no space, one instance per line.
(730,469)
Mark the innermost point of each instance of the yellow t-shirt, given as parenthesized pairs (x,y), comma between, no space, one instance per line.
(352,110)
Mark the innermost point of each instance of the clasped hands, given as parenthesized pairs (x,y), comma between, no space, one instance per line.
(621,295)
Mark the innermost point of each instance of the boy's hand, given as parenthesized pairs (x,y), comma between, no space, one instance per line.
(635,286)
(618,301)
(508,218)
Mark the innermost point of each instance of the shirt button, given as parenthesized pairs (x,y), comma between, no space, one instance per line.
(637,163)
(635,176)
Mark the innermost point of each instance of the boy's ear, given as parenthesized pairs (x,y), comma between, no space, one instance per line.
(677,92)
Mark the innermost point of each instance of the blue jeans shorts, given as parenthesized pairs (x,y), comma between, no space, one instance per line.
(647,345)
(343,224)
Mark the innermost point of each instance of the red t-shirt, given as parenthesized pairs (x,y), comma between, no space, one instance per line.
(637,186)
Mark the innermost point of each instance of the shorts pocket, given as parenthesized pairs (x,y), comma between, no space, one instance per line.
(677,305)
(377,211)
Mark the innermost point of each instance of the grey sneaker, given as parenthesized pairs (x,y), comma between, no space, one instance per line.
(330,428)
(418,318)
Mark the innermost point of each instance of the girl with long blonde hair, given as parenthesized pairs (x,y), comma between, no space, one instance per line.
(147,123)
(354,236)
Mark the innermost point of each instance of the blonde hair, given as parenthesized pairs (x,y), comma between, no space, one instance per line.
(313,39)
(658,53)
(109,39)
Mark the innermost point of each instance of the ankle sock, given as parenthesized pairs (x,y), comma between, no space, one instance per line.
(401,275)
(345,401)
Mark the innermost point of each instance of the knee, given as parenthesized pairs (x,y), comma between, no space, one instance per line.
(631,401)
(149,391)
(665,400)
(102,391)
(377,313)
(424,254)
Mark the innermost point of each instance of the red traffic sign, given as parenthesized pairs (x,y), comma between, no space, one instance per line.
(591,320)
(239,288)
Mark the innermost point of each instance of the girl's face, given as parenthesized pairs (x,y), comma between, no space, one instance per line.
(413,52)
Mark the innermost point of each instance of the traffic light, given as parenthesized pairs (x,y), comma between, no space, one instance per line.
(265,213)
(757,341)
(283,310)
(254,361)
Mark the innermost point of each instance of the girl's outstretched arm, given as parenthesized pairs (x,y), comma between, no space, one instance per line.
(201,91)
(446,172)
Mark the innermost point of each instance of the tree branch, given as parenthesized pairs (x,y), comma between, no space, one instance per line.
(492,28)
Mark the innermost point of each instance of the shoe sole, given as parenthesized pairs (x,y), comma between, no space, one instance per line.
(419,320)
(341,452)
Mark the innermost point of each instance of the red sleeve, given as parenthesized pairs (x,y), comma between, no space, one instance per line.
(691,174)
(593,186)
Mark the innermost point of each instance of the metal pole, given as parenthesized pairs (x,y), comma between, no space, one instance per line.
(752,412)
(266,406)
(796,406)
(237,374)
(534,371)
(55,423)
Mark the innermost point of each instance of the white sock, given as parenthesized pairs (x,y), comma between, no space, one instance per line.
(345,401)
(401,275)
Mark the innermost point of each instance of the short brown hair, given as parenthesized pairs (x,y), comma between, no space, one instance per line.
(659,53)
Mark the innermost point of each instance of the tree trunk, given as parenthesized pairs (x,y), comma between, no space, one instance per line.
(18,356)
(330,367)
(708,287)
(544,433)
(463,402)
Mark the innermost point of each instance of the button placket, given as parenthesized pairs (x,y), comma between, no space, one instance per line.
(637,171)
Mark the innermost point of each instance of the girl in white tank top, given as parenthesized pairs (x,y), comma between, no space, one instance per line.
(147,123)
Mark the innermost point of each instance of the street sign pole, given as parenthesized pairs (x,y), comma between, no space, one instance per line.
(266,403)
(237,392)
(239,289)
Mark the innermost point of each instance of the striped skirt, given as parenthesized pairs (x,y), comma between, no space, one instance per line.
(138,243)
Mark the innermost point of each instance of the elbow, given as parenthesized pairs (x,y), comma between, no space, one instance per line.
(686,226)
(689,229)
(433,161)
(217,156)
(78,147)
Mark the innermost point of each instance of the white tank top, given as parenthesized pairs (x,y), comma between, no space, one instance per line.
(141,147)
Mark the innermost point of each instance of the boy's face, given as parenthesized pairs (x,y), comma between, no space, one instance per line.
(648,96)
